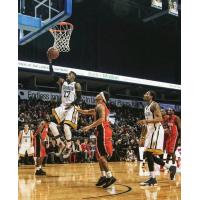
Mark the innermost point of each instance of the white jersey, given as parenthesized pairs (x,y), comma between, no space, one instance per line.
(68,93)
(26,138)
(150,116)
(155,133)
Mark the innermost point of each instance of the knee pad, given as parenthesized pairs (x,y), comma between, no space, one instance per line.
(67,130)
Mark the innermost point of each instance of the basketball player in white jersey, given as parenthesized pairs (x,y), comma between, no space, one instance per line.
(154,138)
(66,112)
(25,142)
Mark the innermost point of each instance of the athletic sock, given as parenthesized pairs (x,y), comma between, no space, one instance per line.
(109,174)
(103,173)
(152,174)
(38,168)
(167,165)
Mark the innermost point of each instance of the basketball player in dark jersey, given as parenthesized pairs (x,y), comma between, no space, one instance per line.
(104,137)
(39,144)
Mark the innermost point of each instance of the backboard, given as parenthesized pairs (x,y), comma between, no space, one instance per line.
(35,17)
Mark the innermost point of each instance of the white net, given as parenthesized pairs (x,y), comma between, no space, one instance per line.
(62,34)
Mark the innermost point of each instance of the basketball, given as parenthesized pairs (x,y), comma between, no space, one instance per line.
(52,53)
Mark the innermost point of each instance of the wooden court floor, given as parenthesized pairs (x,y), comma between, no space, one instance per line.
(77,181)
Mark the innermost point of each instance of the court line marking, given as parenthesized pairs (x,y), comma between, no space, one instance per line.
(107,195)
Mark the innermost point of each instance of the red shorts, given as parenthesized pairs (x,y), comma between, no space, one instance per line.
(40,150)
(171,142)
(104,141)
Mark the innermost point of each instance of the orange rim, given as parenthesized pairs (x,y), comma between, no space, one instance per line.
(62,24)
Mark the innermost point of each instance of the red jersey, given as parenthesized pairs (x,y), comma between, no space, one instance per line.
(172,124)
(106,122)
(104,135)
(44,131)
(39,138)
(165,121)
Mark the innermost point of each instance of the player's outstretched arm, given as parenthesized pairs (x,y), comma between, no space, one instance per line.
(57,79)
(86,112)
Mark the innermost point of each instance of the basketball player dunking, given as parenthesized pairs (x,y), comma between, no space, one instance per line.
(104,137)
(39,144)
(66,112)
(154,138)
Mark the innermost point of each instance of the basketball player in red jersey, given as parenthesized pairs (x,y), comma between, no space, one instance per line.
(164,122)
(39,144)
(104,137)
(174,124)
(166,131)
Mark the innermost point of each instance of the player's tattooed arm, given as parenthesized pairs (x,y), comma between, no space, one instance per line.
(101,112)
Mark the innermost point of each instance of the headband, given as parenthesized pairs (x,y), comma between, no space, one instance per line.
(102,95)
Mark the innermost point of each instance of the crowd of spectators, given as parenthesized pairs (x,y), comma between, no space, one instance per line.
(125,139)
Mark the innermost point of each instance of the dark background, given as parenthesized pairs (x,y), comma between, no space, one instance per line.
(110,36)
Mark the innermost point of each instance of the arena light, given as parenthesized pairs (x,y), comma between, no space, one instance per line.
(99,75)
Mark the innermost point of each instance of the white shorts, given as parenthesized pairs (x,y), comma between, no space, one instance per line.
(69,116)
(178,154)
(154,140)
(24,148)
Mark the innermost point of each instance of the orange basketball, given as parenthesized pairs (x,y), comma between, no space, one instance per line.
(53,53)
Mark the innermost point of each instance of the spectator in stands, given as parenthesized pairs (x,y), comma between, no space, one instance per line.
(86,150)
(51,153)
(21,119)
(77,151)
(92,149)
(130,156)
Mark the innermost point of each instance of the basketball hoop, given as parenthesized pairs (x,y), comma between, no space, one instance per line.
(62,33)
